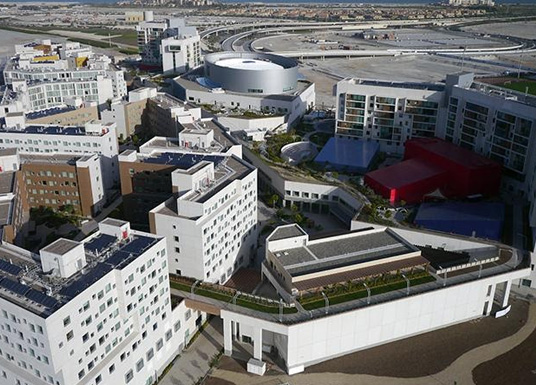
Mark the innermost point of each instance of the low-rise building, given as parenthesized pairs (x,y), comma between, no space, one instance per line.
(64,116)
(154,113)
(368,287)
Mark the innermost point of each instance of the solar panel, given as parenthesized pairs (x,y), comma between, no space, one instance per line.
(138,245)
(100,243)
(118,258)
(184,161)
(85,281)
(14,286)
(9,268)
(42,298)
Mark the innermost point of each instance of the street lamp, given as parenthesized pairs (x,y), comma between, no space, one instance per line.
(407,283)
(368,293)
(326,301)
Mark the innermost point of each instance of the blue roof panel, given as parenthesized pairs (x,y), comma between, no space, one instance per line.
(353,155)
(14,286)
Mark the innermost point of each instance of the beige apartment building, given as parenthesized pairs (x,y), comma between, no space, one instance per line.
(61,180)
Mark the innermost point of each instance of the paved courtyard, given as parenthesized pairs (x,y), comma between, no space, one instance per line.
(194,362)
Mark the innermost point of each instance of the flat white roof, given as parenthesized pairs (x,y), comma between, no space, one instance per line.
(248,64)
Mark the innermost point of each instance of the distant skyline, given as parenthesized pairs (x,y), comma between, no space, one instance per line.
(277,1)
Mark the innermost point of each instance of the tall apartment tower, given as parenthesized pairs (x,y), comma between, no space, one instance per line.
(210,224)
(170,44)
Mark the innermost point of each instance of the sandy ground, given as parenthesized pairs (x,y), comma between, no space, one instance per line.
(522,29)
(401,68)
(518,366)
(8,39)
(444,356)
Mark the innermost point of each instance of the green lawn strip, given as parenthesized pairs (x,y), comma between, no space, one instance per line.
(180,286)
(224,297)
(521,86)
(362,292)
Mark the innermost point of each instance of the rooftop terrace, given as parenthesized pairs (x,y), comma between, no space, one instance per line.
(392,84)
(488,89)
(222,140)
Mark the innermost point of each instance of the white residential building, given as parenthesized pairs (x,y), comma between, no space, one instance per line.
(170,44)
(181,53)
(94,137)
(211,225)
(388,112)
(50,75)
(92,312)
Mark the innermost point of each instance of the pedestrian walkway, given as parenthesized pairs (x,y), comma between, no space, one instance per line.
(194,362)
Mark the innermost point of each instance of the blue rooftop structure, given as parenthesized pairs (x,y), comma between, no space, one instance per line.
(207,83)
(348,154)
(481,219)
(184,161)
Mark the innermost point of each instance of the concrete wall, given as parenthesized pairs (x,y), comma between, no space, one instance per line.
(307,343)
(268,123)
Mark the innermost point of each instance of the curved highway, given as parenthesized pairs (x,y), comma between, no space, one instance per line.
(519,46)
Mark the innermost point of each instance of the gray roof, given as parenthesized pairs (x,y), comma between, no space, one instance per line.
(336,252)
(61,246)
(8,151)
(6,182)
(283,232)
(5,213)
(114,222)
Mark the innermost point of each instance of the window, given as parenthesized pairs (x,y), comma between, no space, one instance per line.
(159,344)
(129,376)
(139,365)
(69,335)
(150,354)
(111,369)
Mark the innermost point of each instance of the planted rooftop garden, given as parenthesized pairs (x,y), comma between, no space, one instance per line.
(352,290)
(229,295)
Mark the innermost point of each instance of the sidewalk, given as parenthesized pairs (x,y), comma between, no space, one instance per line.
(194,362)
